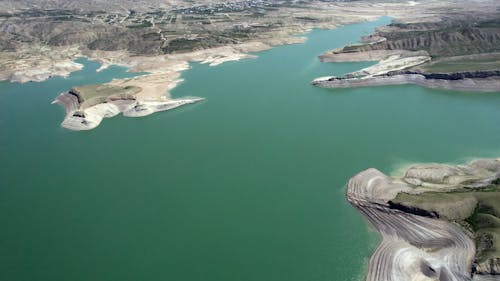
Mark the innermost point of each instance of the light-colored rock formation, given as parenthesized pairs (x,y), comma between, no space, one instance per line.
(91,117)
(491,84)
(86,106)
(416,244)
(38,63)
(393,63)
(337,55)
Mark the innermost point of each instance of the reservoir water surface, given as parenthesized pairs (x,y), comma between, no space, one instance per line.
(247,185)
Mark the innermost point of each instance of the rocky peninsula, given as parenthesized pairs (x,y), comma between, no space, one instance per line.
(86,106)
(483,81)
(455,53)
(437,221)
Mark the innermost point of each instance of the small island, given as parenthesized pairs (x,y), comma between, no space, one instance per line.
(86,106)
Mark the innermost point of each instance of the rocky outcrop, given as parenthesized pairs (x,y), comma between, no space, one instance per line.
(451,76)
(480,81)
(489,267)
(82,116)
(339,55)
(416,244)
(465,48)
(449,37)
(412,210)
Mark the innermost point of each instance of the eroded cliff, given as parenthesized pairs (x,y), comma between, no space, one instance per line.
(432,220)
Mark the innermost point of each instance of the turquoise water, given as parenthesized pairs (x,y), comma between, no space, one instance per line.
(246,185)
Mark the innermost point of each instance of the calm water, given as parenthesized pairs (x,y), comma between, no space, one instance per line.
(247,185)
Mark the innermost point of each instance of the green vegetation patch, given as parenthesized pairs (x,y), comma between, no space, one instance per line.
(95,94)
(464,63)
(495,23)
(476,210)
(453,206)
(144,24)
(180,45)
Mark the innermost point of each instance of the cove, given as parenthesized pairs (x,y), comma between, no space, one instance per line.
(246,185)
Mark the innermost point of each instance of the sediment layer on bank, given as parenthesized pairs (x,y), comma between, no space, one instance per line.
(432,239)
(458,52)
(479,81)
(87,106)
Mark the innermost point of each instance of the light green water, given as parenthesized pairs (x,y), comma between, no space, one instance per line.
(247,185)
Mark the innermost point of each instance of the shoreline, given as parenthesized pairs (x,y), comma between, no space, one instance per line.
(392,69)
(490,84)
(78,118)
(39,61)
(165,68)
(416,244)
(162,75)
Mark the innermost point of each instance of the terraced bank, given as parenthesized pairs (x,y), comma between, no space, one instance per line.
(456,53)
(483,81)
(437,239)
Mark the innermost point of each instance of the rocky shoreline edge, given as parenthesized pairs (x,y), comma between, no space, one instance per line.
(483,81)
(86,114)
(422,243)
